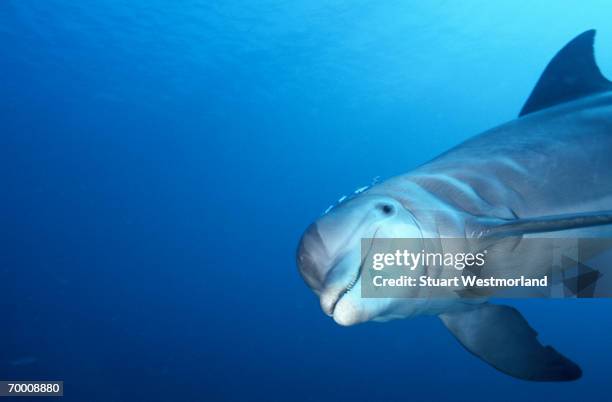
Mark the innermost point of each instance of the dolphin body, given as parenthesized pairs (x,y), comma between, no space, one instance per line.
(547,172)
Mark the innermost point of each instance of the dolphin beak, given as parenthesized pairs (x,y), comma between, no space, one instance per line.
(329,277)
(312,258)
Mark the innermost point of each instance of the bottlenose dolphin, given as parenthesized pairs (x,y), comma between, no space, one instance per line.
(549,171)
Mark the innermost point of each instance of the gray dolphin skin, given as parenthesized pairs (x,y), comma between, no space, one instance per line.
(547,172)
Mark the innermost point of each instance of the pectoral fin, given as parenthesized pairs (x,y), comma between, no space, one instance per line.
(500,336)
(542,224)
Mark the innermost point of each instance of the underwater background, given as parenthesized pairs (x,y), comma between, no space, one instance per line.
(161,159)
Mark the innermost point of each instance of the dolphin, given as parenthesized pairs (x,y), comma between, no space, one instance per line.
(547,172)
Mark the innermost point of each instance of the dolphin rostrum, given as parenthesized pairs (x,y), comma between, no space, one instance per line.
(547,171)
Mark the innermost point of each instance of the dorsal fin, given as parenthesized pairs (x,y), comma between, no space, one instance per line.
(571,74)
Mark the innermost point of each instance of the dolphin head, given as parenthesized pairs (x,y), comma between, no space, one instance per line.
(330,260)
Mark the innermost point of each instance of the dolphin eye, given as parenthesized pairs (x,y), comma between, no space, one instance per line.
(386,209)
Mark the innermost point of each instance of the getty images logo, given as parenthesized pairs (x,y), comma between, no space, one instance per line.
(411,260)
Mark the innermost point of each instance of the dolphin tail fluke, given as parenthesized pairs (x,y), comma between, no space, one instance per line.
(500,336)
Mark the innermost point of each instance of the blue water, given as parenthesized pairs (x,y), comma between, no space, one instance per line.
(160,161)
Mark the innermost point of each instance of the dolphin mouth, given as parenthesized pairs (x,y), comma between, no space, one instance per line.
(352,283)
(347,289)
